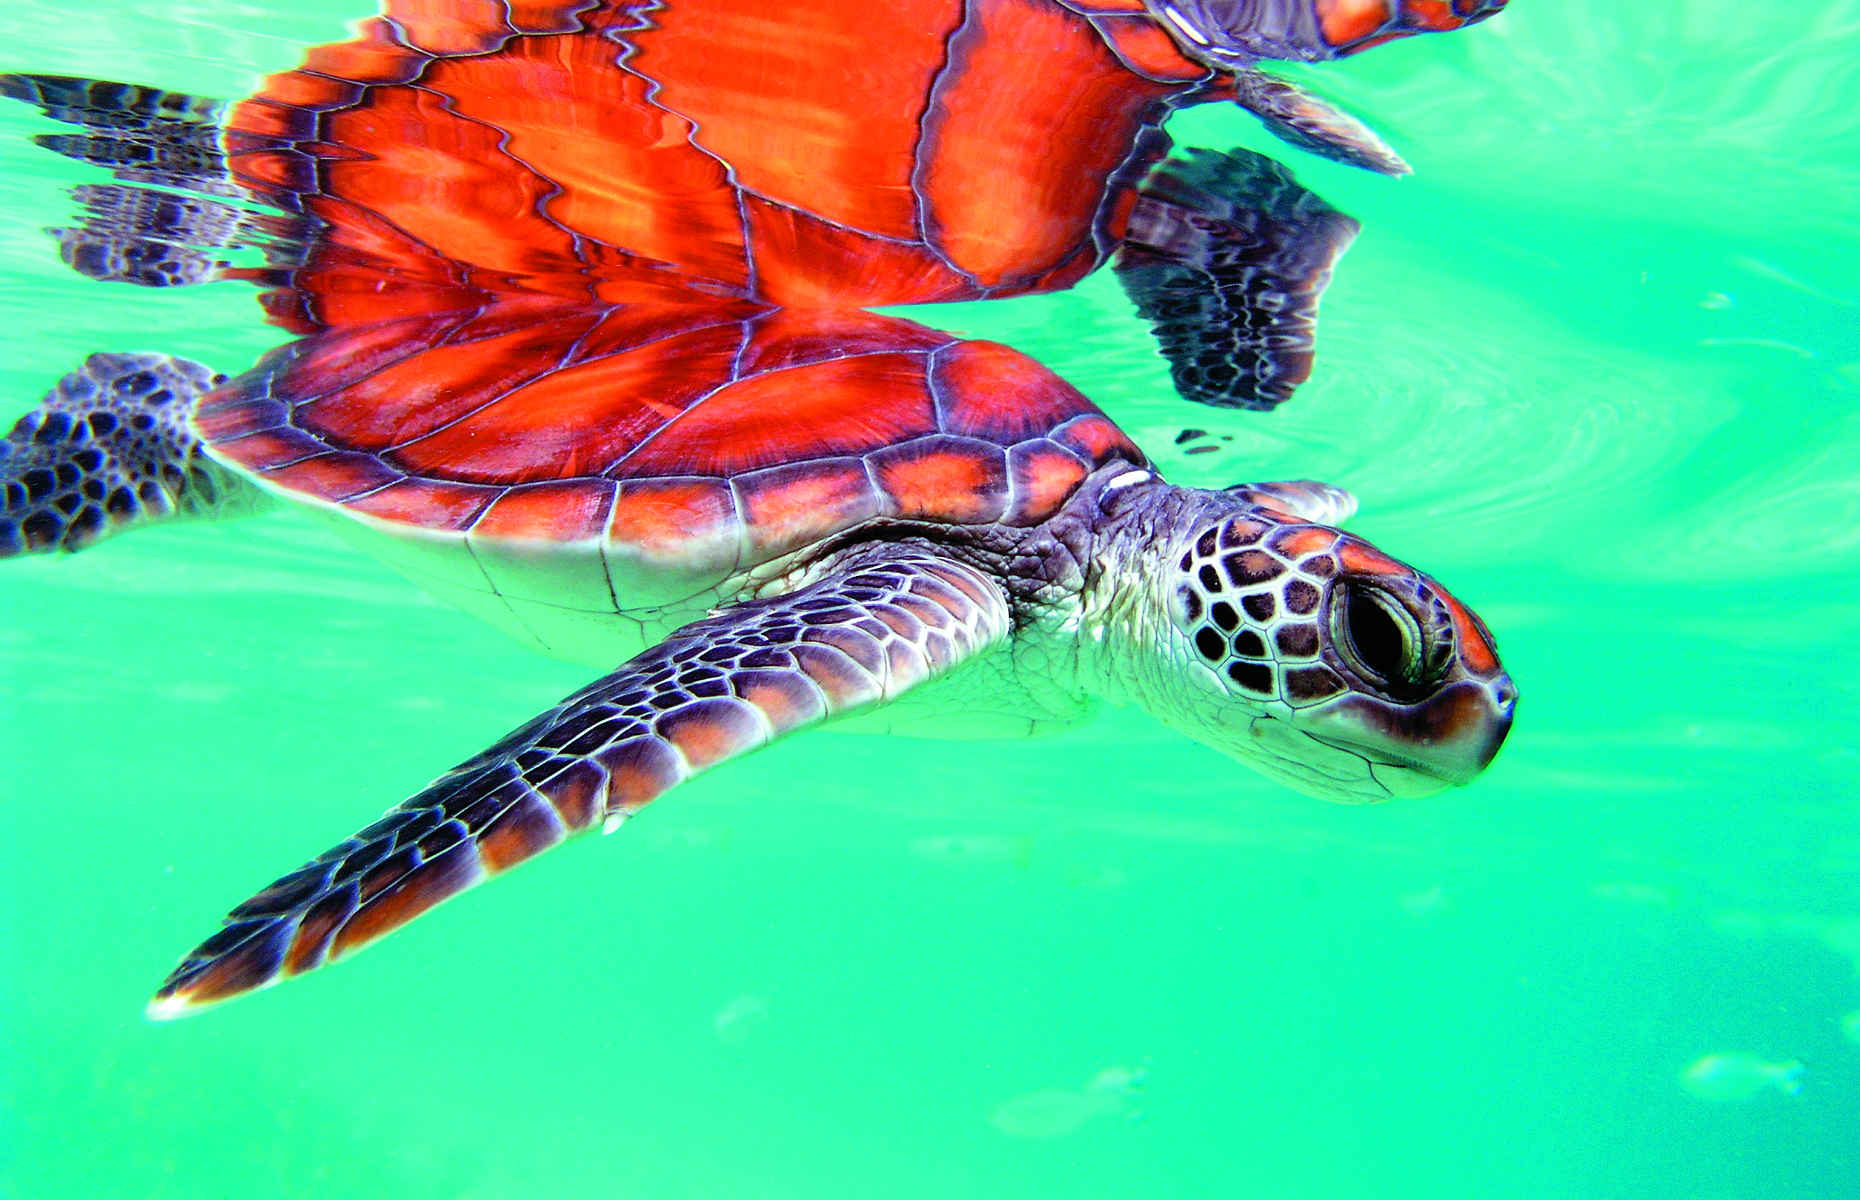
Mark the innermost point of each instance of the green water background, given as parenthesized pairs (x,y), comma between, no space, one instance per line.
(1596,366)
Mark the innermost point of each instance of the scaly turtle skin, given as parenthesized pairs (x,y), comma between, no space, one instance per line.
(832,153)
(769,515)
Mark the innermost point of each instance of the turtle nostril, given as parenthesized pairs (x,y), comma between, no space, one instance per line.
(1505,693)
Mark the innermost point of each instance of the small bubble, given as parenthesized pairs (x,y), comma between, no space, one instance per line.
(737,1021)
(1731,1077)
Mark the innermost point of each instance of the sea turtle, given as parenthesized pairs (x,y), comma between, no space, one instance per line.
(800,154)
(801,515)
(768,514)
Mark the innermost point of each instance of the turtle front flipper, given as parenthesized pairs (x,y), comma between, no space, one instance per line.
(1226,257)
(174,232)
(883,620)
(110,447)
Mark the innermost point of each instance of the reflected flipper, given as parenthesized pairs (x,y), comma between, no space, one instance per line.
(179,229)
(149,238)
(138,134)
(1226,257)
(884,620)
(111,447)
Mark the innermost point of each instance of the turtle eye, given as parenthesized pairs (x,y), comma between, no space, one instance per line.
(1379,638)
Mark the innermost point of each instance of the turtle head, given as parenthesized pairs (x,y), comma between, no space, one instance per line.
(1236,33)
(1319,659)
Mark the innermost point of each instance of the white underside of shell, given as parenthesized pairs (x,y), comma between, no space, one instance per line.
(599,603)
(586,602)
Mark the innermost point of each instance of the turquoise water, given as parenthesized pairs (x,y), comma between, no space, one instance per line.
(1596,366)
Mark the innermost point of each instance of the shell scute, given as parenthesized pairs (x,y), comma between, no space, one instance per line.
(727,436)
(276,171)
(790,337)
(517,311)
(1094,436)
(404,401)
(1346,21)
(951,480)
(987,390)
(627,328)
(665,518)
(545,16)
(580,419)
(427,503)
(447,179)
(377,55)
(266,449)
(792,506)
(574,510)
(235,418)
(316,367)
(1043,474)
(335,475)
(839,406)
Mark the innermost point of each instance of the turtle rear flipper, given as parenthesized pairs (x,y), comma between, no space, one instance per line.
(1226,256)
(110,447)
(886,619)
(178,230)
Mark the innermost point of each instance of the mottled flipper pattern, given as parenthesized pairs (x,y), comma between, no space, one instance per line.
(110,447)
(882,620)
(175,231)
(1226,257)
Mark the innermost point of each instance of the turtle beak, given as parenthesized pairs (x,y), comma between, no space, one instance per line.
(1451,736)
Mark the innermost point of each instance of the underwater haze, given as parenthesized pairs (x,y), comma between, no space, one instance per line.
(1596,366)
